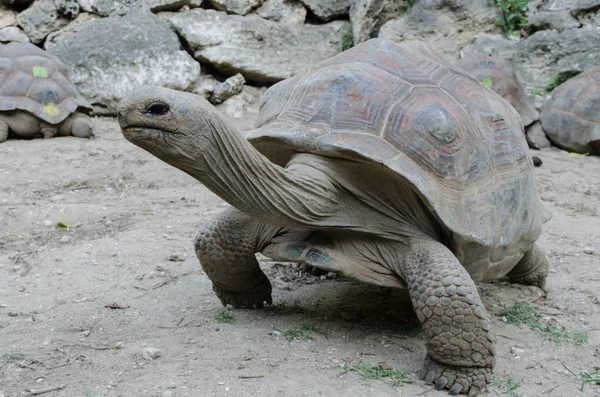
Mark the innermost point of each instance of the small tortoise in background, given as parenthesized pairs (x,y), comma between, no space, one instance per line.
(36,96)
(504,82)
(385,164)
(571,119)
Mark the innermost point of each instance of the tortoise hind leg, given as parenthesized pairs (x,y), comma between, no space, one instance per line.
(532,269)
(225,247)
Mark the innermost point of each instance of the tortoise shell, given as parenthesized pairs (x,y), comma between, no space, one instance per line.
(402,106)
(504,82)
(571,119)
(33,80)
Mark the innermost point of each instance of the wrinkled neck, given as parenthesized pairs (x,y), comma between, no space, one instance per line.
(299,198)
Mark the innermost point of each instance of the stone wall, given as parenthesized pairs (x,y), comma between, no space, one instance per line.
(114,46)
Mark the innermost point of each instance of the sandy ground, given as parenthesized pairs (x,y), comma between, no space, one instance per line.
(116,304)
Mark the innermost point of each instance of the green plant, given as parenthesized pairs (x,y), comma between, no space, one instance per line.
(224,317)
(586,377)
(347,41)
(514,15)
(507,388)
(559,79)
(537,92)
(304,332)
(398,378)
(524,313)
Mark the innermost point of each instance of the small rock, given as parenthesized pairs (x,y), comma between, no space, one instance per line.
(225,90)
(589,250)
(48,222)
(383,365)
(151,353)
(13,34)
(65,239)
(516,351)
(276,332)
(176,258)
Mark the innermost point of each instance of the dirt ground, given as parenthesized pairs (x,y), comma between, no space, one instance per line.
(115,304)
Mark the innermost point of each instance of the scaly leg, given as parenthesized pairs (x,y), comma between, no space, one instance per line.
(48,130)
(3,130)
(460,346)
(225,247)
(532,269)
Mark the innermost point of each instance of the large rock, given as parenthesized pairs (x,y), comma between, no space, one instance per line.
(110,57)
(446,25)
(68,8)
(545,20)
(167,5)
(39,20)
(262,51)
(575,7)
(240,7)
(326,10)
(113,7)
(368,16)
(284,11)
(12,34)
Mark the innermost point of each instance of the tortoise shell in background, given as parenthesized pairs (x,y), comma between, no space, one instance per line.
(571,119)
(35,81)
(504,82)
(403,108)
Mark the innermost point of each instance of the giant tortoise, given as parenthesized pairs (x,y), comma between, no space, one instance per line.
(36,96)
(571,119)
(385,164)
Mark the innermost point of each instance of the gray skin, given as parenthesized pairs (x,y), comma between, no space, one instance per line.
(22,124)
(314,211)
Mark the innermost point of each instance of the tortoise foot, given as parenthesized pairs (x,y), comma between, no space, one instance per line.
(252,298)
(463,380)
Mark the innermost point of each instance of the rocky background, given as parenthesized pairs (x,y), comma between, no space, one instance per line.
(229,50)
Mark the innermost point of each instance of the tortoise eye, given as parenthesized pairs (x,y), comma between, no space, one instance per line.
(157,109)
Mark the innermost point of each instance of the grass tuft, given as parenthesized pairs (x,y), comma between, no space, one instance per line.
(304,332)
(524,313)
(398,378)
(559,79)
(507,387)
(585,376)
(224,317)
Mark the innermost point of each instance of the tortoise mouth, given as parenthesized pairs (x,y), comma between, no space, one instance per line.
(142,133)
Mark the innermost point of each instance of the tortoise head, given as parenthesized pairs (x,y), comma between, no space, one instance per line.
(174,126)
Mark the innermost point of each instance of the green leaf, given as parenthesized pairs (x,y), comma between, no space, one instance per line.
(487,82)
(63,225)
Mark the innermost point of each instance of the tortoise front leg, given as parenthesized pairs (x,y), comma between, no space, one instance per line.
(460,346)
(225,247)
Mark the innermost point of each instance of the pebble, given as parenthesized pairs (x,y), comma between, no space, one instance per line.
(176,258)
(65,239)
(589,250)
(151,353)
(48,222)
